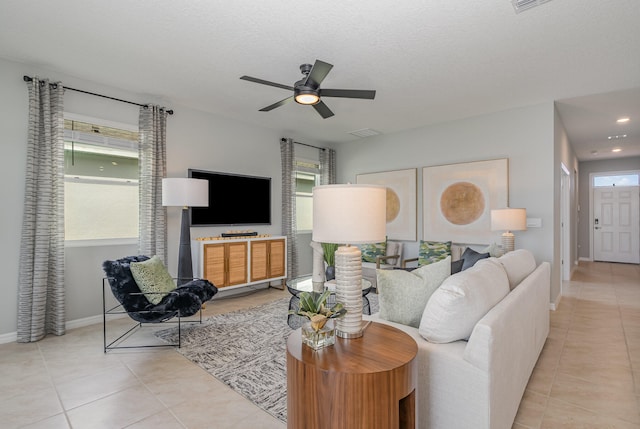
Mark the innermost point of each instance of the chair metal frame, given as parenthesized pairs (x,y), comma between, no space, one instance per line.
(119,310)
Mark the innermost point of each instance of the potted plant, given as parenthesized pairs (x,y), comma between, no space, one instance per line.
(318,332)
(329,254)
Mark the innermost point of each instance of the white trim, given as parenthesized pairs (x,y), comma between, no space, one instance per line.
(12,337)
(553,306)
(565,219)
(584,258)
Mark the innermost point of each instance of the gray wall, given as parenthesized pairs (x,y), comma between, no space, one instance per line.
(586,168)
(195,140)
(526,136)
(530,137)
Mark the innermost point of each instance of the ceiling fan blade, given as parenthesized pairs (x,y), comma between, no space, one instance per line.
(266,82)
(324,111)
(278,104)
(348,93)
(319,71)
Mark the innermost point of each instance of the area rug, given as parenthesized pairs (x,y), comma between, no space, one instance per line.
(246,350)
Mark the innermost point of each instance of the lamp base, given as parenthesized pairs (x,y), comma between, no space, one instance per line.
(348,260)
(508,241)
(185,265)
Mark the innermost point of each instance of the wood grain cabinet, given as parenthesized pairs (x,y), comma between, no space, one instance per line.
(267,259)
(240,262)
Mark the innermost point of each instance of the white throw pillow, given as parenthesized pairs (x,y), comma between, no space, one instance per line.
(404,294)
(518,264)
(462,300)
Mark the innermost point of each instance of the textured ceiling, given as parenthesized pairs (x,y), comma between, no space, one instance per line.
(429,60)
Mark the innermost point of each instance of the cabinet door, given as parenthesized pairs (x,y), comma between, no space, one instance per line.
(236,263)
(214,264)
(277,256)
(259,260)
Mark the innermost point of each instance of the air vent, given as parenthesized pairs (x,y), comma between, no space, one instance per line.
(365,132)
(522,5)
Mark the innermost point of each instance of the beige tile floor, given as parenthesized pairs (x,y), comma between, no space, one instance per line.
(588,375)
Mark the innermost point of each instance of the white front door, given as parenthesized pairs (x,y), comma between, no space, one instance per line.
(616,224)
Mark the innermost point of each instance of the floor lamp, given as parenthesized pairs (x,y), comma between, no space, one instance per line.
(508,220)
(185,193)
(353,214)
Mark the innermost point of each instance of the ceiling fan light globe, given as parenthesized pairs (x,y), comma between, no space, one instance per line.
(307,98)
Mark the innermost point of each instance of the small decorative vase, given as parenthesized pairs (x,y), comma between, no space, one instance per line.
(330,272)
(323,337)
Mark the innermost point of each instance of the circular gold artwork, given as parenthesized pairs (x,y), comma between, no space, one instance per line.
(462,203)
(393,205)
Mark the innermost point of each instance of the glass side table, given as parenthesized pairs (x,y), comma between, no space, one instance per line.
(303,284)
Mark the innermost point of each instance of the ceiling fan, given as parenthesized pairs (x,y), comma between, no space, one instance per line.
(307,90)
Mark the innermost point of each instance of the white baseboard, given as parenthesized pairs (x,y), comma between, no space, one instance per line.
(12,337)
(583,258)
(553,306)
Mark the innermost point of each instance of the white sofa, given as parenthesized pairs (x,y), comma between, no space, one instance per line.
(479,383)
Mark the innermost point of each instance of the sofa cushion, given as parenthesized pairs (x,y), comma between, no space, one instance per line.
(463,299)
(152,277)
(404,294)
(518,264)
(371,250)
(456,266)
(470,257)
(433,251)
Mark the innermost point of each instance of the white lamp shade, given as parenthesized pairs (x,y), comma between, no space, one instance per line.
(349,214)
(185,192)
(509,219)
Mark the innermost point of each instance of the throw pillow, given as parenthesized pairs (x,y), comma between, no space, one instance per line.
(433,251)
(456,266)
(470,257)
(462,300)
(152,278)
(403,294)
(518,264)
(371,250)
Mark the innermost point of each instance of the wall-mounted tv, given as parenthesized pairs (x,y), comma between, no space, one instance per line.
(234,199)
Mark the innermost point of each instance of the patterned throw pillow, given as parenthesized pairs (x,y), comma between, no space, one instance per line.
(152,276)
(433,251)
(371,250)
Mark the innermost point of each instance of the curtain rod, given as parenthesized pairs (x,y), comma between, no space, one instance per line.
(29,79)
(305,144)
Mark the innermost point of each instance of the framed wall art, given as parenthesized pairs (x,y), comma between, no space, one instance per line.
(458,198)
(401,201)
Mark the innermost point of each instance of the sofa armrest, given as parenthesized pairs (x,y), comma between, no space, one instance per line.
(404,262)
(381,258)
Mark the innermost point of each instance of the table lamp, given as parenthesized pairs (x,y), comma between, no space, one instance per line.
(508,220)
(185,193)
(351,214)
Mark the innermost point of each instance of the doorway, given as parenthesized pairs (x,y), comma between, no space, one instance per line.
(565,223)
(615,220)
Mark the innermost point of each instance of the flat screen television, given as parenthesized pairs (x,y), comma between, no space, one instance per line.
(234,199)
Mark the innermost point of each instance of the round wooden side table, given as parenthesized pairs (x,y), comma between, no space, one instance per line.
(366,382)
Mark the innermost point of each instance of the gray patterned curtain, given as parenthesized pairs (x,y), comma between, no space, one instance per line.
(327,166)
(152,167)
(41,307)
(287,153)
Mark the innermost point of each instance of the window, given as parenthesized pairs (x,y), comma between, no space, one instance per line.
(307,176)
(101,180)
(616,180)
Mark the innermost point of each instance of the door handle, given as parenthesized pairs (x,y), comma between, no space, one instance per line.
(597,227)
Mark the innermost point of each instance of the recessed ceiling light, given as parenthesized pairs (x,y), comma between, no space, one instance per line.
(623,120)
(616,150)
(617,137)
